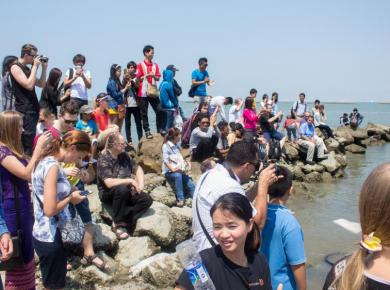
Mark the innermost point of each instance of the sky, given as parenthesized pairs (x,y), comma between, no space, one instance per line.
(332,50)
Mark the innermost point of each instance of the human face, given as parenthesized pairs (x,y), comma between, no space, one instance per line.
(306,115)
(149,55)
(203,66)
(204,109)
(118,72)
(68,122)
(310,120)
(131,70)
(21,130)
(302,98)
(79,63)
(30,56)
(72,155)
(230,231)
(120,145)
(177,139)
(204,124)
(225,131)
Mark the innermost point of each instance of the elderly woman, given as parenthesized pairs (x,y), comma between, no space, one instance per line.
(120,184)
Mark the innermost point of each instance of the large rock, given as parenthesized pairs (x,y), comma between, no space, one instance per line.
(182,218)
(359,133)
(332,144)
(291,151)
(330,164)
(164,195)
(313,177)
(91,274)
(150,154)
(341,159)
(345,133)
(134,250)
(353,148)
(103,238)
(377,129)
(307,168)
(158,224)
(161,270)
(153,180)
(326,177)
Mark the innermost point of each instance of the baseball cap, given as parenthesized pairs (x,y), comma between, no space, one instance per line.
(85,109)
(172,67)
(102,97)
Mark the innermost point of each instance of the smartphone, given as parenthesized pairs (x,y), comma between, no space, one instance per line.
(85,192)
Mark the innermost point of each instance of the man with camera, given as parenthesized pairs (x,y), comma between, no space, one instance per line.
(78,80)
(24,80)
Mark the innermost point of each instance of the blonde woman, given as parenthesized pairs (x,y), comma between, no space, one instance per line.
(369,266)
(15,172)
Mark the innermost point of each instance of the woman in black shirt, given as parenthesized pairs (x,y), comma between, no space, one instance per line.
(235,263)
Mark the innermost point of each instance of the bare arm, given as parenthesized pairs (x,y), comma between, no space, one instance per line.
(87,81)
(112,182)
(300,275)
(42,80)
(20,77)
(68,82)
(140,177)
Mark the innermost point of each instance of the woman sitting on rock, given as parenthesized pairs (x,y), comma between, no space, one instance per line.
(235,262)
(368,267)
(174,166)
(120,184)
(320,120)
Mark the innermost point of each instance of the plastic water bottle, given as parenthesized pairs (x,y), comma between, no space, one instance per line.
(192,262)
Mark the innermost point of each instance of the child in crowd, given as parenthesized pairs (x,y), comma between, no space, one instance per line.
(282,235)
(46,120)
(101,114)
(344,120)
(236,133)
(290,124)
(263,149)
(86,123)
(235,262)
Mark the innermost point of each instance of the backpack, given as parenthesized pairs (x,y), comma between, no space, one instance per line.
(7,93)
(71,72)
(186,131)
(275,151)
(296,106)
(176,88)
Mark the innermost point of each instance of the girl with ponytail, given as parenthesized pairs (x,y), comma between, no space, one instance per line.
(369,266)
(235,263)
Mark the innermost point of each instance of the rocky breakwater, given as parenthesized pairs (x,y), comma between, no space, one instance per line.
(147,259)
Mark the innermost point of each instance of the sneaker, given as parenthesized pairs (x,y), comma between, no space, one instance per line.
(322,158)
(310,162)
(148,135)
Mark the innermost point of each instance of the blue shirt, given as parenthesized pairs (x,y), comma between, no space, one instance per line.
(199,76)
(307,130)
(89,128)
(282,244)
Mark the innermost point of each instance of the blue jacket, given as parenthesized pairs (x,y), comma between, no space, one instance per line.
(114,92)
(167,96)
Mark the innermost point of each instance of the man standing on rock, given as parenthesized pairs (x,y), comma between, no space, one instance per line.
(300,106)
(241,163)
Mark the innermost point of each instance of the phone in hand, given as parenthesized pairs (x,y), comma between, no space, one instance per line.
(85,192)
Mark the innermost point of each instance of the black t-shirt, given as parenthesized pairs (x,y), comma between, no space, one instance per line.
(339,268)
(25,100)
(265,125)
(229,276)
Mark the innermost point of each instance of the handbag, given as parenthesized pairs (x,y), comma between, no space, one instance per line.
(16,260)
(72,231)
(152,90)
(121,111)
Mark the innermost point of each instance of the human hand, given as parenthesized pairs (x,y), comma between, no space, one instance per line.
(42,142)
(36,61)
(72,171)
(268,176)
(280,287)
(6,247)
(136,186)
(67,93)
(76,197)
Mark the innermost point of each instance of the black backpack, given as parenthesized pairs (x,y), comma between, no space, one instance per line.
(275,151)
(176,88)
(8,94)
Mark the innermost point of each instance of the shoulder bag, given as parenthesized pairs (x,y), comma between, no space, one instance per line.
(151,88)
(16,260)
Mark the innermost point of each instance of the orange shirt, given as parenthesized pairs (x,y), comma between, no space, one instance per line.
(102,119)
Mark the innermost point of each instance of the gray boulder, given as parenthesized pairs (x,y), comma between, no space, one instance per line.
(307,168)
(153,180)
(377,129)
(327,177)
(345,133)
(341,159)
(164,195)
(134,250)
(332,144)
(103,238)
(291,151)
(158,224)
(330,164)
(182,218)
(313,177)
(354,148)
(359,133)
(160,270)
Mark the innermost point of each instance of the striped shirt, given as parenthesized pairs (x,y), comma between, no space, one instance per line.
(217,182)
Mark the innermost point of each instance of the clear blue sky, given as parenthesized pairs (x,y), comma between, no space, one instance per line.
(332,50)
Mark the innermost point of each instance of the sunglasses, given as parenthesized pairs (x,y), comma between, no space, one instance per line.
(206,123)
(70,121)
(256,165)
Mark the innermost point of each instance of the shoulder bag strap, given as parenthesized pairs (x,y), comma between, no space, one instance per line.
(17,207)
(211,241)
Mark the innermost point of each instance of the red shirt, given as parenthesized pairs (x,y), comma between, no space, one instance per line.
(149,68)
(101,118)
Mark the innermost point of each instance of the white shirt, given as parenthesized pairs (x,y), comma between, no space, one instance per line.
(234,115)
(218,101)
(217,183)
(78,88)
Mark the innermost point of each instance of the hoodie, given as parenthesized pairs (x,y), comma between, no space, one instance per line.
(167,95)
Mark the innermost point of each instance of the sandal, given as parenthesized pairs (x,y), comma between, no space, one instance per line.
(120,232)
(180,203)
(91,260)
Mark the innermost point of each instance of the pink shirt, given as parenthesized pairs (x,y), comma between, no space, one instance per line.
(250,119)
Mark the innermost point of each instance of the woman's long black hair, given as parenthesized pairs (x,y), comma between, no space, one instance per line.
(113,70)
(7,62)
(239,205)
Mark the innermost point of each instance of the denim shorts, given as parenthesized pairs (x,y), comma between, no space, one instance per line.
(82,208)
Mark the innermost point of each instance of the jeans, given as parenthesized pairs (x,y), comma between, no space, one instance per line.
(274,134)
(327,129)
(30,120)
(291,131)
(144,105)
(137,118)
(80,102)
(168,116)
(181,180)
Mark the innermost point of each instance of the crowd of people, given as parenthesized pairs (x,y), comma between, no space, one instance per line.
(51,148)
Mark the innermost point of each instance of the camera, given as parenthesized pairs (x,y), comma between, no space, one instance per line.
(43,58)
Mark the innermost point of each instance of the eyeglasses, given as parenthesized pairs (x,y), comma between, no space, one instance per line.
(256,165)
(205,123)
(70,121)
(33,55)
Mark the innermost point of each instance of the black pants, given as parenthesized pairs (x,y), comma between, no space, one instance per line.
(205,149)
(137,118)
(127,208)
(30,120)
(144,105)
(327,129)
(80,102)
